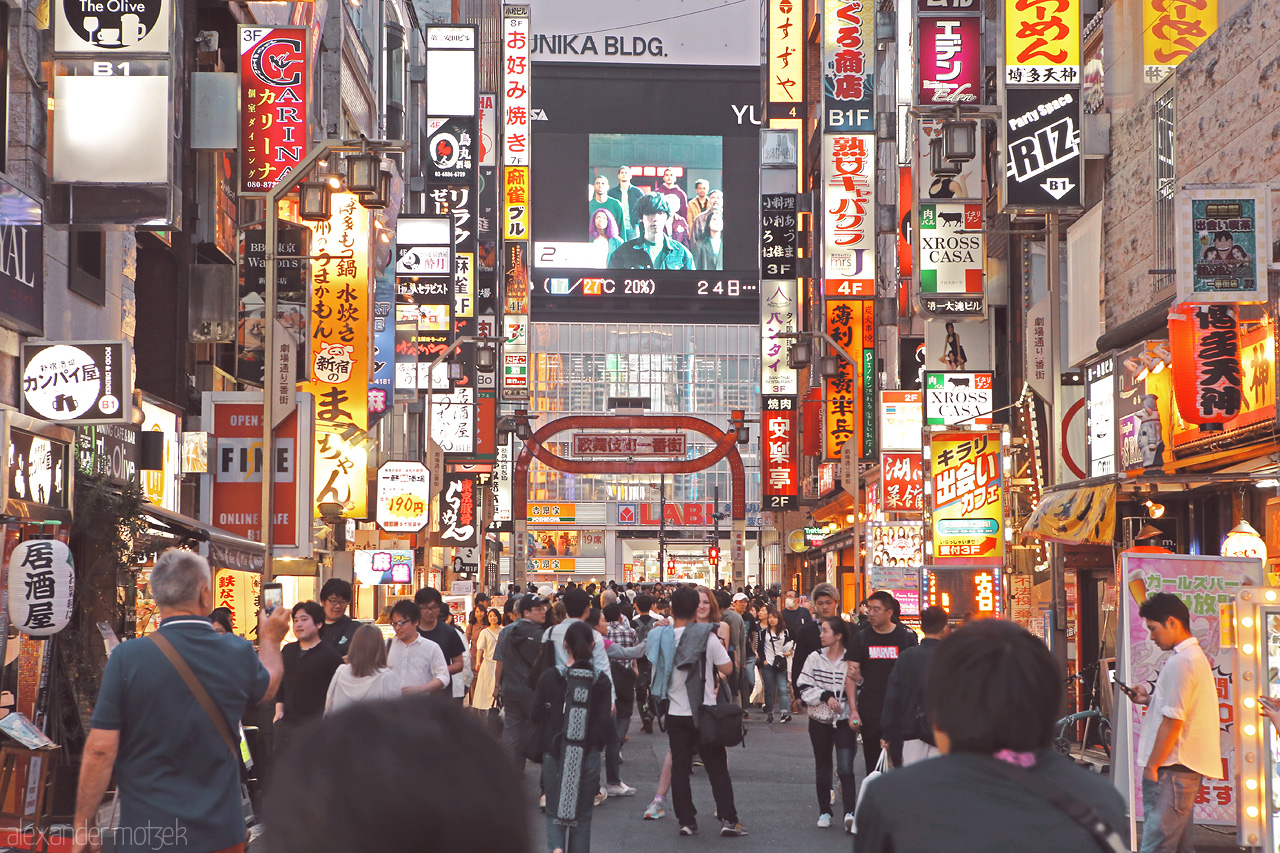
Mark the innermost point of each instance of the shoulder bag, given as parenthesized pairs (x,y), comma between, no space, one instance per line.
(721,724)
(202,695)
(1104,835)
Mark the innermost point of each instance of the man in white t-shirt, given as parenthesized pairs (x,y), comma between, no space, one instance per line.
(682,730)
(419,661)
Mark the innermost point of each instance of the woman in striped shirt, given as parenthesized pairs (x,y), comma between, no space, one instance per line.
(822,687)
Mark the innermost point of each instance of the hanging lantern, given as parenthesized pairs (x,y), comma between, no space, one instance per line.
(1244,541)
(42,584)
(1207,380)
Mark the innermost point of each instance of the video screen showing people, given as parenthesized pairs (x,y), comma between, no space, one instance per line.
(655,202)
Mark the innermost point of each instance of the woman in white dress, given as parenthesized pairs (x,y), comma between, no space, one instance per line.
(482,692)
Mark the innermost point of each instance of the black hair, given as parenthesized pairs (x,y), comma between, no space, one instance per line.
(723,599)
(651,203)
(684,602)
(644,602)
(576,602)
(528,602)
(408,610)
(336,586)
(838,627)
(1159,606)
(1223,235)
(428,595)
(580,638)
(312,609)
(222,616)
(993,686)
(612,612)
(933,619)
(313,809)
(889,602)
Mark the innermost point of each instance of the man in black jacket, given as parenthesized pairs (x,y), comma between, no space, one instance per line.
(905,731)
(517,649)
(826,603)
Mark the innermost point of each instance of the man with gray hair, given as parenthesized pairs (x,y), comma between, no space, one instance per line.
(177,781)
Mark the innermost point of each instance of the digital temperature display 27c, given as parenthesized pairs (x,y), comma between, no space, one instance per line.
(596,291)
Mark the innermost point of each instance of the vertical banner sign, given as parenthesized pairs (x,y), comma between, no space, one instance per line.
(950,60)
(952,256)
(844,397)
(515,85)
(1042,42)
(236,497)
(785,61)
(778,236)
(516,228)
(1043,159)
(778,429)
(848,162)
(458,202)
(964,499)
(382,384)
(1207,376)
(341,475)
(778,314)
(902,481)
(458,523)
(848,65)
(1223,241)
(274,82)
(515,203)
(1171,30)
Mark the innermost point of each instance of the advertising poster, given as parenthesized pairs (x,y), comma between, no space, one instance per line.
(895,555)
(964,498)
(957,398)
(952,255)
(1143,402)
(848,65)
(1205,584)
(1042,43)
(950,65)
(1043,156)
(958,344)
(848,324)
(937,187)
(1171,30)
(274,82)
(1224,239)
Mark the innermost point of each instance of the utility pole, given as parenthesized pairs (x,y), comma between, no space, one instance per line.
(715,534)
(662,526)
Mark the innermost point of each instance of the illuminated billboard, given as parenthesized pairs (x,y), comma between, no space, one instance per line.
(964,498)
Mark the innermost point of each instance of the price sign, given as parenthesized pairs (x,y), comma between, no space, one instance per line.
(403,497)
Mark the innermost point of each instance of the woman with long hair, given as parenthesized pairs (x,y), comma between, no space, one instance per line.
(776,651)
(365,676)
(486,666)
(822,687)
(604,237)
(477,622)
(708,241)
(952,350)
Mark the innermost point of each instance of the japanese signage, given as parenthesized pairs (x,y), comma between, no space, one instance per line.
(239,592)
(848,65)
(850,395)
(952,255)
(459,515)
(964,591)
(424,301)
(341,475)
(403,497)
(1224,241)
(953,305)
(902,481)
(515,203)
(849,232)
(551,513)
(42,585)
(339,369)
(85,382)
(950,65)
(515,356)
(235,504)
(109,451)
(1205,343)
(292,241)
(453,421)
(785,60)
(1140,438)
(1171,30)
(952,397)
(779,446)
(459,203)
(382,383)
(274,83)
(39,469)
(964,497)
(515,85)
(901,419)
(1043,157)
(111,26)
(377,567)
(451,149)
(1042,42)
(629,444)
(22,261)
(161,486)
(779,310)
(778,236)
(1100,394)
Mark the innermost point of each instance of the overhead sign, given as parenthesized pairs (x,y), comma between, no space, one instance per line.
(404,497)
(275,80)
(84,382)
(1043,158)
(848,166)
(902,481)
(1224,245)
(1042,43)
(952,255)
(950,60)
(848,65)
(956,397)
(901,418)
(779,439)
(111,26)
(964,499)
(629,444)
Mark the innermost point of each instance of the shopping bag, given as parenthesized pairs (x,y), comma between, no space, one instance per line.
(881,766)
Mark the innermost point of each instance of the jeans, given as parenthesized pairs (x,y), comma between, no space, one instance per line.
(824,736)
(776,683)
(1166,811)
(683,736)
(613,752)
(642,694)
(748,680)
(571,839)
(516,729)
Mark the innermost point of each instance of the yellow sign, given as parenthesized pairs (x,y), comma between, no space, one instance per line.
(1042,41)
(515,203)
(551,564)
(341,475)
(1171,30)
(238,592)
(1085,516)
(965,498)
(544,513)
(796,541)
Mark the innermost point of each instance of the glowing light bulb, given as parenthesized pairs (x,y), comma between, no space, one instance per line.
(1247,621)
(1250,729)
(1251,784)
(1248,702)
(1252,811)
(1270,595)
(1247,648)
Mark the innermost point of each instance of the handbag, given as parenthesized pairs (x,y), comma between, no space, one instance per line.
(779,663)
(721,724)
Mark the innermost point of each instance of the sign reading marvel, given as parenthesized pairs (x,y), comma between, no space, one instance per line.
(86,382)
(274,82)
(950,65)
(965,499)
(1042,148)
(778,428)
(630,444)
(848,65)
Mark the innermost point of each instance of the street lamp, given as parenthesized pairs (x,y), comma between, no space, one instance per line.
(959,140)
(313,200)
(800,355)
(363,172)
(486,359)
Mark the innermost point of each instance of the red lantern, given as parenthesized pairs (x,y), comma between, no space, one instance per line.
(1207,379)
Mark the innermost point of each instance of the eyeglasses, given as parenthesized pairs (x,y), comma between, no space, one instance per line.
(395,624)
(334,600)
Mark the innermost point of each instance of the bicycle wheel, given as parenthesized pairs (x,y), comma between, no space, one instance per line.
(1061,745)
(1104,734)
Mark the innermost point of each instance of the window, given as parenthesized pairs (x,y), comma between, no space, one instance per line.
(86,265)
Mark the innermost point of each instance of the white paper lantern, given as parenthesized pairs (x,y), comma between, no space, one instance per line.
(42,585)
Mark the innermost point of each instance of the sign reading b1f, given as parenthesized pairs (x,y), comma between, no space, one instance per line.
(1043,159)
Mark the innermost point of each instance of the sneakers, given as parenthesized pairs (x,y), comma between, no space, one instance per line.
(697,761)
(542,802)
(622,789)
(601,796)
(769,718)
(656,811)
(824,821)
(690,830)
(786,718)
(731,829)
(848,823)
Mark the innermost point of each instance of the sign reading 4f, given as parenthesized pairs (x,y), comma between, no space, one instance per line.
(1042,148)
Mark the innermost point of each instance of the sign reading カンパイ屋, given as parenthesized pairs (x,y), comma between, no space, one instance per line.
(78,382)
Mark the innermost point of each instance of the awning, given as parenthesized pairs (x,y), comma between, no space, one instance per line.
(224,550)
(1085,515)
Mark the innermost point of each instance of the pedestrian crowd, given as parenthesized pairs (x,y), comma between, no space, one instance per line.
(955,727)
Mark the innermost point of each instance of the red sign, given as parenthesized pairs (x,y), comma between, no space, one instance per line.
(677,514)
(236,503)
(950,67)
(1207,377)
(902,478)
(274,81)
(781,477)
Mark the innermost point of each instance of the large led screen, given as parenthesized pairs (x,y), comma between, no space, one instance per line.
(645,192)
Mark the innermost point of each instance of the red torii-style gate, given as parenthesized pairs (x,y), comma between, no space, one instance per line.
(726,446)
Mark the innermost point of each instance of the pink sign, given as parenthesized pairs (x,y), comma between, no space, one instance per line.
(950,65)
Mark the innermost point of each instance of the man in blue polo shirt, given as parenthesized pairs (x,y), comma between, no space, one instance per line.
(177,781)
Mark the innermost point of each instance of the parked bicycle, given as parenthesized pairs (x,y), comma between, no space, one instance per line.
(1090,680)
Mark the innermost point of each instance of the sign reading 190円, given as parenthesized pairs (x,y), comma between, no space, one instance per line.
(80,382)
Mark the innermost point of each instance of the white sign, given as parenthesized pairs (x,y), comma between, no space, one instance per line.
(42,585)
(901,419)
(849,228)
(953,398)
(515,85)
(284,380)
(404,497)
(779,311)
(500,484)
(373,568)
(161,487)
(86,382)
(453,421)
(1100,391)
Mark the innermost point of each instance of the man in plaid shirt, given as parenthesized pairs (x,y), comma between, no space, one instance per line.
(623,647)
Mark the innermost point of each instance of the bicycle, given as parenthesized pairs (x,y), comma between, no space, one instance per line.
(1061,743)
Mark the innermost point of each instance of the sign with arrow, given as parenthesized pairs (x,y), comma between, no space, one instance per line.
(1043,154)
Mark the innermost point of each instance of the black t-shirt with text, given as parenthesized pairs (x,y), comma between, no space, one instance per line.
(876,654)
(306,679)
